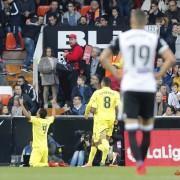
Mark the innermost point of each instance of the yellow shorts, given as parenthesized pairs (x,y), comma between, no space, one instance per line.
(101,129)
(39,157)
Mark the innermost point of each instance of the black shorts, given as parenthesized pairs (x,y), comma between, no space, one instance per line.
(138,104)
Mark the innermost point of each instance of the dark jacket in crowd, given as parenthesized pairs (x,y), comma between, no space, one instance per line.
(174,15)
(84,91)
(28,5)
(15,14)
(27,103)
(152,17)
(31,31)
(57,14)
(79,111)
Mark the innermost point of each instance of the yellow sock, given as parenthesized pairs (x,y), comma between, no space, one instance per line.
(92,154)
(104,147)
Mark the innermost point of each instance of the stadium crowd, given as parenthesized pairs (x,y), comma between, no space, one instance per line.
(81,80)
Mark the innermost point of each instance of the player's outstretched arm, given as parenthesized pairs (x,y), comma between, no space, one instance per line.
(169,60)
(104,59)
(25,112)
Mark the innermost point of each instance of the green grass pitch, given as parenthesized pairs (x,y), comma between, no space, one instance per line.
(95,173)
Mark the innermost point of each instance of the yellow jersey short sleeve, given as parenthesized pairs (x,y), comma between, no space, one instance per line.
(50,119)
(34,120)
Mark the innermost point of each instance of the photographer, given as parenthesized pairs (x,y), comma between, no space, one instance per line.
(82,148)
(114,156)
(30,33)
(54,151)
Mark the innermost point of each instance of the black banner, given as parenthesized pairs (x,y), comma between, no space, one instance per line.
(57,37)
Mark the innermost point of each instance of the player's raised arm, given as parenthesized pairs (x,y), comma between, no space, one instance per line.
(168,57)
(26,113)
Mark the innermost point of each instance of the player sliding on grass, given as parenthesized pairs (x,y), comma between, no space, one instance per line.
(104,105)
(138,49)
(40,125)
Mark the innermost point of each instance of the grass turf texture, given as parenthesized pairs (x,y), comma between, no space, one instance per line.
(95,173)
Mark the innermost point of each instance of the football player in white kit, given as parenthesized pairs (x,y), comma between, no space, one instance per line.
(138,49)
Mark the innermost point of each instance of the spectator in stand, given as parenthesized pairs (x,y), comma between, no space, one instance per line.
(164,92)
(177,43)
(52,20)
(173,11)
(160,106)
(154,12)
(82,89)
(158,64)
(73,57)
(116,19)
(93,13)
(28,89)
(54,9)
(15,21)
(5,110)
(83,21)
(71,17)
(176,78)
(16,108)
(49,78)
(103,21)
(95,82)
(170,111)
(167,79)
(2,24)
(165,27)
(28,9)
(94,67)
(30,33)
(172,37)
(78,107)
(26,99)
(174,97)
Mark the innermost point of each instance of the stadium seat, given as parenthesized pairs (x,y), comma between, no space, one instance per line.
(10,41)
(6,93)
(42,10)
(84,10)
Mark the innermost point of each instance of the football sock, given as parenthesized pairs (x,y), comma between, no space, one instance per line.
(145,144)
(104,147)
(136,150)
(92,154)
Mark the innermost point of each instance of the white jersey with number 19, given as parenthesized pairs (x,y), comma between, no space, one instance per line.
(138,48)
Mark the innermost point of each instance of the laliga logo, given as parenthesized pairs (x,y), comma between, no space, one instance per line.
(159,153)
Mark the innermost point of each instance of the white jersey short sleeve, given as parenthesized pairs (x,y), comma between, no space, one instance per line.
(138,49)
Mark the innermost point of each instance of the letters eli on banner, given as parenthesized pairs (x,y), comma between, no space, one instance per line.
(164,149)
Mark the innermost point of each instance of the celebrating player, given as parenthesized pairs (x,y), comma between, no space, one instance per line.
(104,105)
(40,124)
(138,49)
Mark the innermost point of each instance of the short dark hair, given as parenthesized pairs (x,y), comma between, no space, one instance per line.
(106,81)
(78,96)
(172,108)
(82,77)
(155,2)
(42,113)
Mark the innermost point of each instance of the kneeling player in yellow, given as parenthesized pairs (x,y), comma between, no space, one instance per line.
(104,105)
(40,125)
